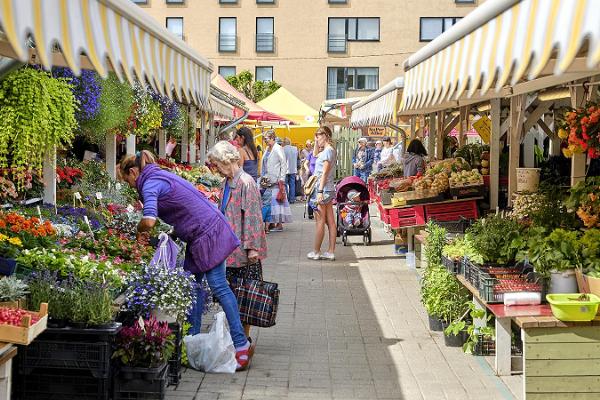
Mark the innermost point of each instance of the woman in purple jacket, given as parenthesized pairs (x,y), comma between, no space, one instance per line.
(196,221)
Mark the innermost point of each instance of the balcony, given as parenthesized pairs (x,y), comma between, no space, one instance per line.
(265,43)
(336,43)
(227,43)
(335,92)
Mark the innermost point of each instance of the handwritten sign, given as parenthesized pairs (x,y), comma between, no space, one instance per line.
(483,126)
(376,131)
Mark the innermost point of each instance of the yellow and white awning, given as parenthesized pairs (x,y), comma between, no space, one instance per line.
(115,31)
(221,108)
(502,42)
(379,108)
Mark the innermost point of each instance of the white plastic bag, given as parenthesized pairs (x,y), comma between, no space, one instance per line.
(212,351)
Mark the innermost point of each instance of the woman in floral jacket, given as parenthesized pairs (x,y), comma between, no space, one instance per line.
(241,202)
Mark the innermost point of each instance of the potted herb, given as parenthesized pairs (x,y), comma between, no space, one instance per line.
(492,237)
(436,239)
(12,292)
(465,326)
(556,254)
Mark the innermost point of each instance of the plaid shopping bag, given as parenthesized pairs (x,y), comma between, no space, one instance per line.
(257,301)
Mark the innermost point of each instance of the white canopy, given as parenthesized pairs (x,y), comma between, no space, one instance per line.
(105,30)
(503,42)
(379,107)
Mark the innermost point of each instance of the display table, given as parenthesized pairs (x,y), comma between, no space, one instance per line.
(7,352)
(561,360)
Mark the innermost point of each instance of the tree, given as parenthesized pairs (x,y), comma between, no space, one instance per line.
(254,90)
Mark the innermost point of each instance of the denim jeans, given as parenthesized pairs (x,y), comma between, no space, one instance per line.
(220,288)
(362,174)
(291,187)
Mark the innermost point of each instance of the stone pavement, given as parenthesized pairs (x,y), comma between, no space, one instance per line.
(349,329)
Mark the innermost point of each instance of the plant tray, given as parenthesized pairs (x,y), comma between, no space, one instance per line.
(140,389)
(25,334)
(61,385)
(174,372)
(461,192)
(492,289)
(451,265)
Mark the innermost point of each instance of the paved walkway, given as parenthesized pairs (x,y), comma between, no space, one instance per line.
(349,329)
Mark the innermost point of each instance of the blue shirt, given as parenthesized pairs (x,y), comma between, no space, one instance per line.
(326,155)
(153,189)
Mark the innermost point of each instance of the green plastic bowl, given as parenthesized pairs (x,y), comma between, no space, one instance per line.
(566,307)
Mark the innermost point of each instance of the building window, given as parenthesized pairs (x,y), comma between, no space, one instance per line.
(342,30)
(464,1)
(140,1)
(264,74)
(338,1)
(226,72)
(175,26)
(175,1)
(265,35)
(228,1)
(341,79)
(433,27)
(265,1)
(227,34)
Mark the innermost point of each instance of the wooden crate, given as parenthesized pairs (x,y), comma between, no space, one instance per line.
(405,217)
(25,334)
(453,211)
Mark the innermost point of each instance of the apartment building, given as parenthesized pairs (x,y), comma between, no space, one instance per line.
(317,49)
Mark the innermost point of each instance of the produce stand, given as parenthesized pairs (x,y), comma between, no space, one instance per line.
(7,353)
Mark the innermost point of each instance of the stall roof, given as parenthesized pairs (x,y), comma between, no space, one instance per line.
(284,103)
(337,111)
(503,42)
(255,112)
(113,34)
(378,108)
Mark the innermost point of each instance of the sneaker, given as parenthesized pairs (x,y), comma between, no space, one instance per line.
(313,256)
(328,256)
(277,229)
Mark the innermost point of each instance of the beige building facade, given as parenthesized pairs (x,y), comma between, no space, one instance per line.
(317,49)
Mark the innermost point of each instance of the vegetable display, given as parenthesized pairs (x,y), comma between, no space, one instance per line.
(14,316)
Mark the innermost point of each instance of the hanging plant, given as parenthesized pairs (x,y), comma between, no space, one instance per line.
(86,88)
(581,130)
(146,114)
(116,99)
(37,114)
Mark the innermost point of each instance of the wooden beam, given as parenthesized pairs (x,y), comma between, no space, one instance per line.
(203,134)
(451,125)
(185,142)
(49,174)
(162,143)
(111,155)
(439,135)
(130,149)
(431,139)
(462,125)
(517,110)
(193,145)
(535,115)
(495,149)
(544,126)
(578,161)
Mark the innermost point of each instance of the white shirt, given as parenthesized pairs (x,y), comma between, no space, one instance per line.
(387,156)
(291,155)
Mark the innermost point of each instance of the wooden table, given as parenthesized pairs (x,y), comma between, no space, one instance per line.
(7,352)
(504,315)
(561,360)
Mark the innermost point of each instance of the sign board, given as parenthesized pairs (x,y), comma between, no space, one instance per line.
(376,131)
(483,127)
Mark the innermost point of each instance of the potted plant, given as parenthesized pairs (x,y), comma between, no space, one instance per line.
(9,251)
(12,292)
(430,297)
(492,237)
(436,239)
(556,254)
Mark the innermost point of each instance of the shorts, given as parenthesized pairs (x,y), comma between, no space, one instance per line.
(327,199)
(251,271)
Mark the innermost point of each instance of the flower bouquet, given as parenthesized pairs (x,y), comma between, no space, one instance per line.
(581,130)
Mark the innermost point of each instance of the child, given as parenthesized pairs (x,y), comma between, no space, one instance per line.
(352,211)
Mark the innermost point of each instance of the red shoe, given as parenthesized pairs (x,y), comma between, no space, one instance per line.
(244,363)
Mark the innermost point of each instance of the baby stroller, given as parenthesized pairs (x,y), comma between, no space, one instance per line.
(343,228)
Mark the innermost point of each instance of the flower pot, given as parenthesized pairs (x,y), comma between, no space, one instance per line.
(435,324)
(7,266)
(563,281)
(78,325)
(528,179)
(161,316)
(105,326)
(56,323)
(454,340)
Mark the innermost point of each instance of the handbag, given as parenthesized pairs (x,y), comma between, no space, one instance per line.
(281,195)
(257,301)
(310,184)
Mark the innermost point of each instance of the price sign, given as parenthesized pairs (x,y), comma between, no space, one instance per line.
(77,195)
(40,213)
(483,128)
(130,208)
(118,186)
(99,195)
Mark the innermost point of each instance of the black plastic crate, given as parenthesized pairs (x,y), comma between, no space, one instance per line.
(485,346)
(61,385)
(174,372)
(139,388)
(450,264)
(459,226)
(488,285)
(107,334)
(66,355)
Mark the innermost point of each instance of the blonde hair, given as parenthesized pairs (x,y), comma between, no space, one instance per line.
(140,160)
(224,152)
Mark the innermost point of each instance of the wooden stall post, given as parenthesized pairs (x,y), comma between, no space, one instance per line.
(463,122)
(578,160)
(495,136)
(431,139)
(413,127)
(130,148)
(439,138)
(162,143)
(111,155)
(517,109)
(185,141)
(49,173)
(202,137)
(193,146)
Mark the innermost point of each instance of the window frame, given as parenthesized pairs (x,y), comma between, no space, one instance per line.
(464,1)
(264,66)
(337,1)
(346,86)
(140,2)
(227,66)
(228,1)
(182,26)
(444,28)
(175,2)
(272,50)
(357,24)
(235,36)
(266,1)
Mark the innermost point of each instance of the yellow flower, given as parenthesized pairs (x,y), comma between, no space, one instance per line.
(15,241)
(567,153)
(562,134)
(3,237)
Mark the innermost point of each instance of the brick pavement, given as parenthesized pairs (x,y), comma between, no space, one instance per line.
(349,329)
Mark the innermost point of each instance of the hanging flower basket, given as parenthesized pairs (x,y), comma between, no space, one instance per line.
(581,130)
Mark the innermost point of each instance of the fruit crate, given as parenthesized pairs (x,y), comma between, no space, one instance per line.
(451,265)
(462,192)
(66,355)
(174,372)
(408,216)
(494,286)
(61,385)
(25,333)
(138,388)
(458,226)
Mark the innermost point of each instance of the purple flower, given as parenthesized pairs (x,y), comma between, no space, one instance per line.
(86,89)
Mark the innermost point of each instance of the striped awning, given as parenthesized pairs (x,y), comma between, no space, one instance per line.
(113,34)
(502,42)
(221,108)
(377,109)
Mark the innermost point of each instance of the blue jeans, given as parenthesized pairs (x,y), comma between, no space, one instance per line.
(220,288)
(364,175)
(291,187)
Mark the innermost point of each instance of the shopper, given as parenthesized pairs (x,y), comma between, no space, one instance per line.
(274,170)
(291,155)
(242,205)
(323,194)
(362,160)
(210,239)
(377,155)
(414,159)
(248,152)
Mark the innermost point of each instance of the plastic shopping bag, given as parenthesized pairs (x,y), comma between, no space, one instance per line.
(166,253)
(212,351)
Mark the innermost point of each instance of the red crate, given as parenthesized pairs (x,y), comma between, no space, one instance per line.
(452,211)
(409,216)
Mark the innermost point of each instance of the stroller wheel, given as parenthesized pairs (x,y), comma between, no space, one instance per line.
(365,239)
(345,239)
(370,236)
